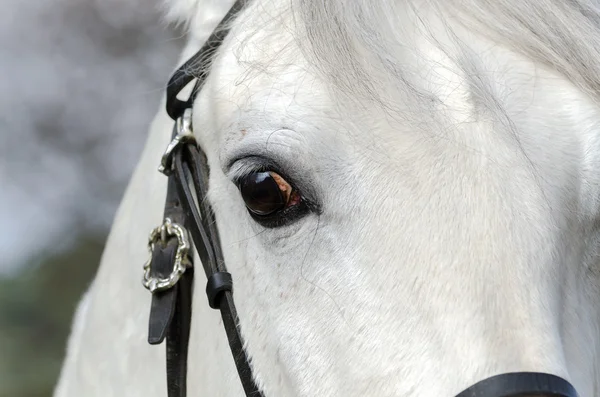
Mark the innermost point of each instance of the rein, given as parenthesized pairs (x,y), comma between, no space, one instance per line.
(169,272)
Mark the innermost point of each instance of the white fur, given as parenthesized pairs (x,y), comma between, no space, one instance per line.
(458,175)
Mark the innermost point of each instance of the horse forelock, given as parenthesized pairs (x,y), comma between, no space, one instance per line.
(562,35)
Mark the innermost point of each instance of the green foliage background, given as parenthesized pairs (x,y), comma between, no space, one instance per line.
(36,308)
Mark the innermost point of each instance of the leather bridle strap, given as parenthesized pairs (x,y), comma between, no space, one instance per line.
(521,384)
(189,160)
(171,309)
(197,66)
(186,166)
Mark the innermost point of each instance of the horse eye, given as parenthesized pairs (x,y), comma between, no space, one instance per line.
(266,193)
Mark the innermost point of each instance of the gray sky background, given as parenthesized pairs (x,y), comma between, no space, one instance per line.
(81,82)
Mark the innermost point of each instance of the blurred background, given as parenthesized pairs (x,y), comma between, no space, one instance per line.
(80,83)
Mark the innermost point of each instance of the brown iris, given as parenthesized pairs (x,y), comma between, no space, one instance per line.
(266,193)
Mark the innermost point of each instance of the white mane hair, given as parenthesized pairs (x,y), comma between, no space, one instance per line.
(565,35)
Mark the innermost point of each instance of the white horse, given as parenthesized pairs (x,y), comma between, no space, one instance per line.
(451,153)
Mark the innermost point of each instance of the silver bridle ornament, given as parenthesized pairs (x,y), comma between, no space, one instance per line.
(161,234)
(184,135)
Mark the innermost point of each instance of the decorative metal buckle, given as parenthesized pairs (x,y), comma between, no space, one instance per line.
(185,134)
(161,233)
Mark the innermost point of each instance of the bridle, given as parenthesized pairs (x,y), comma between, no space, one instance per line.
(169,272)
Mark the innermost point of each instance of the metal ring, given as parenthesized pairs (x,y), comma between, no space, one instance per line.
(167,229)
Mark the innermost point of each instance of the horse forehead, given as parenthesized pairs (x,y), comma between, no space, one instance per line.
(262,70)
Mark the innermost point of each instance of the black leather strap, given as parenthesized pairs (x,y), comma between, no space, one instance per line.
(162,309)
(187,180)
(178,338)
(196,66)
(521,384)
(206,240)
(171,309)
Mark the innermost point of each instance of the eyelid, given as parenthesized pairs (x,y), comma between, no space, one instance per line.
(241,167)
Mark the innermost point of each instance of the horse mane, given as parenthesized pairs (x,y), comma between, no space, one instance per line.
(564,35)
(341,35)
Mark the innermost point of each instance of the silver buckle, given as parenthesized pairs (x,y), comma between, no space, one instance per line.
(161,233)
(184,135)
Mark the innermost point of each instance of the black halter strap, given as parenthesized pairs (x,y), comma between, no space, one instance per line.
(169,273)
(195,67)
(521,384)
